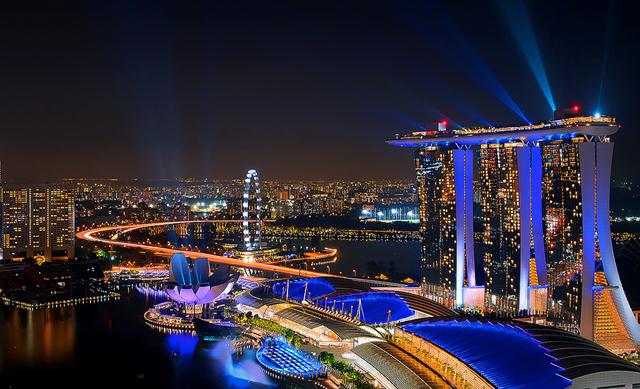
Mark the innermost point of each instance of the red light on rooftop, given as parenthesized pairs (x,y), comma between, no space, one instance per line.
(575,108)
(443,122)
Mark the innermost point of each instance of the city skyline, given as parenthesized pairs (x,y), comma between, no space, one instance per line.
(386,194)
(192,91)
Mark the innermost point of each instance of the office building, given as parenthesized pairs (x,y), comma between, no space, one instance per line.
(38,221)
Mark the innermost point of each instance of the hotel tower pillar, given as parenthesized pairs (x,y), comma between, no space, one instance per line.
(467,292)
(532,291)
(605,314)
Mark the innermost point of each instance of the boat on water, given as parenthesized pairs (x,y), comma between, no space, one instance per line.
(215,330)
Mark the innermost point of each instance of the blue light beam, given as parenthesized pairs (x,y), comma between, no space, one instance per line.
(605,53)
(443,34)
(518,21)
(414,124)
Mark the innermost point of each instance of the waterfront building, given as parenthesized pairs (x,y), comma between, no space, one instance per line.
(436,196)
(545,240)
(563,230)
(407,213)
(193,283)
(501,354)
(500,245)
(38,220)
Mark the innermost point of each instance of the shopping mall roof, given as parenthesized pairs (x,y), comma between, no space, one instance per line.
(330,288)
(302,289)
(576,355)
(516,354)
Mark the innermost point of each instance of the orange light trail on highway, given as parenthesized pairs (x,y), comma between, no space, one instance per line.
(88,235)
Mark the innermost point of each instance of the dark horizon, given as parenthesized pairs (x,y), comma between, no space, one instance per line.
(295,90)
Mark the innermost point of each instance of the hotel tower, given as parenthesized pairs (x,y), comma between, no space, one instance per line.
(539,233)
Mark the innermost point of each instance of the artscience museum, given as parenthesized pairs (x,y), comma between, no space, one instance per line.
(195,284)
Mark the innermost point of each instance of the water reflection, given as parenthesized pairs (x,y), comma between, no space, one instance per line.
(401,256)
(39,336)
(242,373)
(109,344)
(181,344)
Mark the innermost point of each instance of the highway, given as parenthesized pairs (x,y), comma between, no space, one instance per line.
(90,235)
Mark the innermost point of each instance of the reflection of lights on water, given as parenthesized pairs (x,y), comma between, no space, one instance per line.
(108,295)
(240,374)
(150,291)
(181,343)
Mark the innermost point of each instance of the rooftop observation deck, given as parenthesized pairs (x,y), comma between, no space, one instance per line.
(588,126)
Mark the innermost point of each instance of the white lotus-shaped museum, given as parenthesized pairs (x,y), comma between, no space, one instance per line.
(195,284)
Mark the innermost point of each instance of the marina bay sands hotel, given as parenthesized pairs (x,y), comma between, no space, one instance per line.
(516,220)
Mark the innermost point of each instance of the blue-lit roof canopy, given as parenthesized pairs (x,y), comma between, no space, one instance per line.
(315,287)
(276,354)
(376,307)
(506,355)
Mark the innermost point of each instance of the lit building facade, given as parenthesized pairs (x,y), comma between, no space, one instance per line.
(38,220)
(437,212)
(545,239)
(500,245)
(563,230)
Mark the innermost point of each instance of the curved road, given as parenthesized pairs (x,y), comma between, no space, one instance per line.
(89,235)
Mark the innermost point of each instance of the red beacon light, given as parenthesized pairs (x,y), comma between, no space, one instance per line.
(442,125)
(575,108)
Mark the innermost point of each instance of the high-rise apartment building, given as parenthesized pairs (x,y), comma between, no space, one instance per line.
(38,220)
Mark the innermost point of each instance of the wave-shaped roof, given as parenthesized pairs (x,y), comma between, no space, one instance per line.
(314,287)
(506,355)
(376,307)
(518,354)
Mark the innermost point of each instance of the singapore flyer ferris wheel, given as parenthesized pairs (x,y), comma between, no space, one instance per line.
(251,207)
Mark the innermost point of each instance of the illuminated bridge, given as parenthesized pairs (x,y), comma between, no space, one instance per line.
(97,235)
(540,186)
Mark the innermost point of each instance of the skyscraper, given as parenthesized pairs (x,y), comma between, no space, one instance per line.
(38,220)
(545,239)
(563,230)
(500,204)
(436,195)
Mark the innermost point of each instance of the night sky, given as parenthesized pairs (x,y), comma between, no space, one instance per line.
(295,89)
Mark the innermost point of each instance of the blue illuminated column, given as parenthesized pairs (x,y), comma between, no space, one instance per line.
(524,190)
(536,214)
(531,234)
(595,176)
(463,174)
(587,186)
